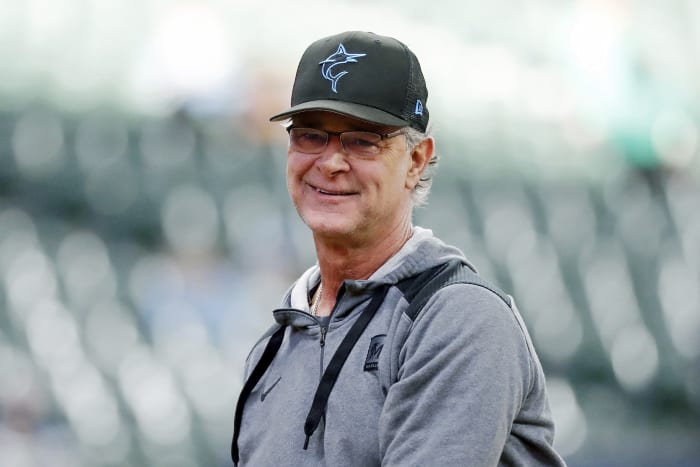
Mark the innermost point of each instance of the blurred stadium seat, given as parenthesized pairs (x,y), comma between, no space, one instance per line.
(129,304)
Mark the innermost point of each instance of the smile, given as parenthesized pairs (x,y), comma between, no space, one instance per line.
(332,193)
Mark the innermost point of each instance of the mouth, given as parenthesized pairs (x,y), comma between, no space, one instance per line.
(332,192)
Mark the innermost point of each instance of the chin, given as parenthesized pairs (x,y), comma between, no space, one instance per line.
(330,229)
(328,224)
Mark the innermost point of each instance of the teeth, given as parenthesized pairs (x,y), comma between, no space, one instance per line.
(327,192)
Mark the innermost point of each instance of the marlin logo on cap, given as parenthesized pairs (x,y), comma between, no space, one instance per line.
(339,57)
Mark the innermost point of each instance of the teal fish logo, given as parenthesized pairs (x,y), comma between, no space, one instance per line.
(329,66)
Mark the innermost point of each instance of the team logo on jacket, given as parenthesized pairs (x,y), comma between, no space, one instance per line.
(375,349)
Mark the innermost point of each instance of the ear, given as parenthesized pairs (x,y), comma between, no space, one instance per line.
(420,157)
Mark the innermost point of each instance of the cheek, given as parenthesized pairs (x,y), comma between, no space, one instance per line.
(293,177)
(296,167)
(399,177)
(390,187)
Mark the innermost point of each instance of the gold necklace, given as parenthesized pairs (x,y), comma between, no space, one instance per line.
(317,300)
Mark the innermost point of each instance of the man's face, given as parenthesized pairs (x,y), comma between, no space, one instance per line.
(341,196)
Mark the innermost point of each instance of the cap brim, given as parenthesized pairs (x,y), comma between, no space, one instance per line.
(358,111)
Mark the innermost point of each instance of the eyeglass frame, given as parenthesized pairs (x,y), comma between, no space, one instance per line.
(328,134)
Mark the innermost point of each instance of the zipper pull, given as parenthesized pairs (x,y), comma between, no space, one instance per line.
(324,329)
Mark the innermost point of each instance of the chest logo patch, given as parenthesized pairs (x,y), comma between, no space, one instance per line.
(375,349)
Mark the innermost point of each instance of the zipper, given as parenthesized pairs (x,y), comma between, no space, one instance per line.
(322,342)
(324,329)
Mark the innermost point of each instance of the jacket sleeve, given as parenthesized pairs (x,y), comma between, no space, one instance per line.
(464,371)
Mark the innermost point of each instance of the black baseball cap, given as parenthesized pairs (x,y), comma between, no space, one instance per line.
(362,75)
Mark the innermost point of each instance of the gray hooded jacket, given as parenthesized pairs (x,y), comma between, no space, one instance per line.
(459,385)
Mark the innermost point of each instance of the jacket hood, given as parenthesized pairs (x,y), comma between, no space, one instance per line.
(422,251)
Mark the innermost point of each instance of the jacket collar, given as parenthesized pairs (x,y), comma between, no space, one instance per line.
(422,251)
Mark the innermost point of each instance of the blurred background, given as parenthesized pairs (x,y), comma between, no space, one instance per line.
(146,232)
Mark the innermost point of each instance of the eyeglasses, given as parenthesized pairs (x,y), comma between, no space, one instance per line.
(357,143)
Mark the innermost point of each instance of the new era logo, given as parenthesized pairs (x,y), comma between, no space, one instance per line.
(419,108)
(375,349)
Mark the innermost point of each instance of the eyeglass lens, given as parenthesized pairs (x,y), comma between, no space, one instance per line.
(312,141)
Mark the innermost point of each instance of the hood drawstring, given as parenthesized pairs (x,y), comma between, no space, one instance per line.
(330,376)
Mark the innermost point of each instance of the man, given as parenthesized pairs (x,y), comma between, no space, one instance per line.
(391,350)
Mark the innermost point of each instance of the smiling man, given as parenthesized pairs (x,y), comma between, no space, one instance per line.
(391,350)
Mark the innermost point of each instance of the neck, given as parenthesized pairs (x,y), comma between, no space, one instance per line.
(339,261)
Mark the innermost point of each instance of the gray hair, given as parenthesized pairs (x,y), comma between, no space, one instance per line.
(420,192)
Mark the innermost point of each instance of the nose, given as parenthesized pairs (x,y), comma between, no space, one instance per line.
(333,159)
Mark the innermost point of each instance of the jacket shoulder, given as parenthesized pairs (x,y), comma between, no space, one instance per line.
(257,347)
(418,289)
